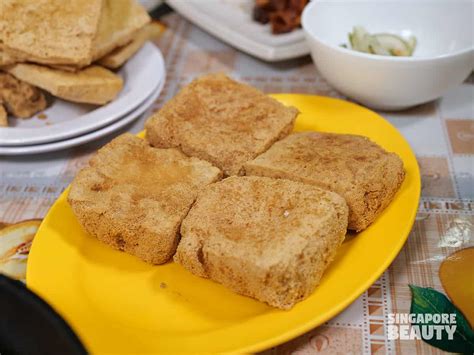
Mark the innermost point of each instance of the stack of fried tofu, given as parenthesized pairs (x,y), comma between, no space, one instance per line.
(69,48)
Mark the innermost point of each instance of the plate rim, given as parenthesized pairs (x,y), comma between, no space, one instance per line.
(315,321)
(88,137)
(15,136)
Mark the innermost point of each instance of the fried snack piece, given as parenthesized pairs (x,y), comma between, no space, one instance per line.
(69,68)
(49,31)
(270,239)
(19,98)
(222,121)
(119,22)
(133,197)
(119,56)
(93,85)
(3,116)
(353,166)
(6,59)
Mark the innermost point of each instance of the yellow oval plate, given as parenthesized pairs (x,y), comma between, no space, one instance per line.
(119,304)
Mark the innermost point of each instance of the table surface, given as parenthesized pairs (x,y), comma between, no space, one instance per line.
(441,134)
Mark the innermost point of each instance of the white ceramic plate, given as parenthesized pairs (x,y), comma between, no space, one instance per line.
(53,146)
(142,74)
(231,21)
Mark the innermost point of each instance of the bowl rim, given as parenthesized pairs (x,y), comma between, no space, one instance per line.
(304,21)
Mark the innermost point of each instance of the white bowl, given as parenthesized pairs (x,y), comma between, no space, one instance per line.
(444,56)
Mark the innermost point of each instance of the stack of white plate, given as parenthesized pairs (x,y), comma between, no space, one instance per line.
(66,124)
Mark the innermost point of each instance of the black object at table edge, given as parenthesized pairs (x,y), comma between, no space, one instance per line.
(28,325)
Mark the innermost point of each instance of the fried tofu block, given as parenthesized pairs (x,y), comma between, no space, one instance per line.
(3,117)
(222,121)
(50,31)
(133,197)
(119,56)
(93,85)
(119,22)
(19,98)
(270,239)
(353,166)
(6,59)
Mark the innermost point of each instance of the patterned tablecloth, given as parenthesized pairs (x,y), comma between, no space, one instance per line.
(441,133)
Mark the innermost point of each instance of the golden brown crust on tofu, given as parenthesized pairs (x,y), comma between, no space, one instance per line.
(222,121)
(93,85)
(3,116)
(118,24)
(48,32)
(270,239)
(133,197)
(120,55)
(19,98)
(353,166)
